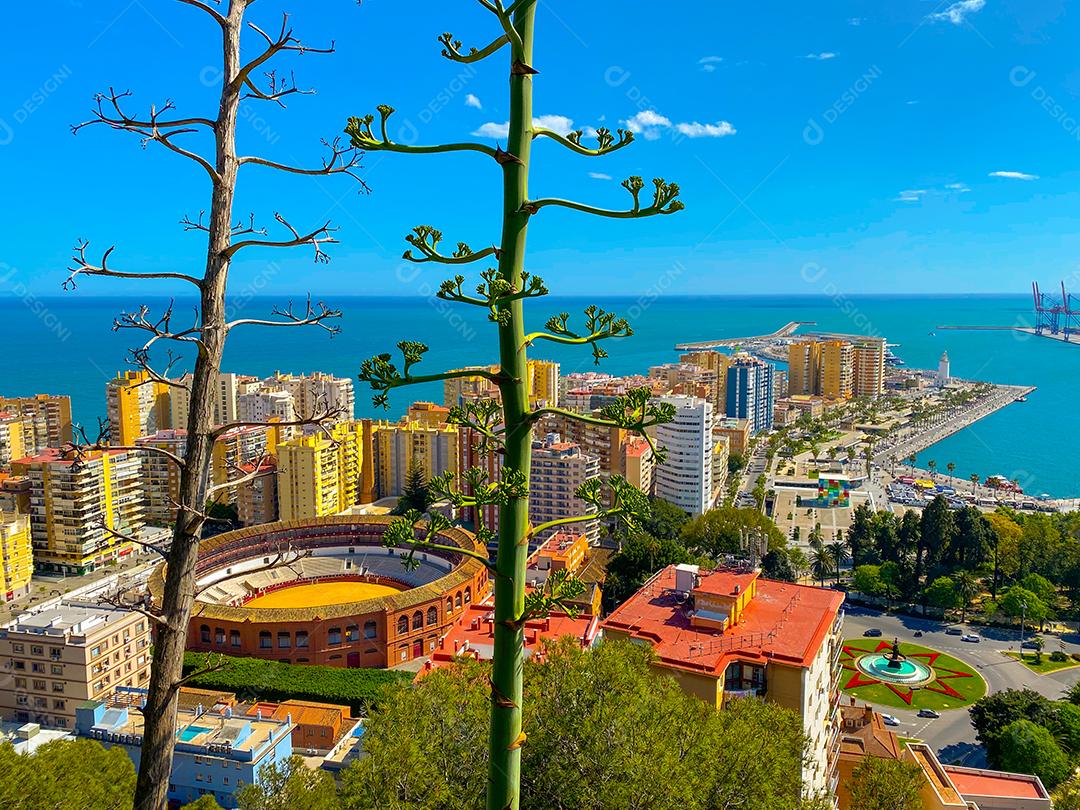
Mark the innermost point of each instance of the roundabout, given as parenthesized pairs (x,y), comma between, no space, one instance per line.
(907,676)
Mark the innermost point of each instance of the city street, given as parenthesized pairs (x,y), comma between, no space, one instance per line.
(952,735)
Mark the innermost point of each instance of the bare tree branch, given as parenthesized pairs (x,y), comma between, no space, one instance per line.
(82,267)
(214,14)
(284,41)
(318,237)
(310,317)
(341,160)
(278,89)
(320,416)
(260,471)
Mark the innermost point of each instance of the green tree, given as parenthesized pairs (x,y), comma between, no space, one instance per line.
(837,550)
(66,775)
(1019,603)
(941,593)
(640,557)
(203,803)
(1065,726)
(665,520)
(991,714)
(287,785)
(1067,795)
(727,530)
(416,494)
(508,422)
(777,565)
(967,588)
(821,564)
(885,784)
(938,532)
(1025,747)
(606,733)
(867,580)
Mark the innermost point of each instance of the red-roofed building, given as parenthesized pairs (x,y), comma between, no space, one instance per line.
(729,633)
(948,787)
(474,635)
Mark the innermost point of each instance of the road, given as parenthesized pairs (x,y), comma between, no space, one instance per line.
(952,736)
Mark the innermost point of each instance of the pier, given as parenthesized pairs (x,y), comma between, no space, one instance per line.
(786,330)
(1060,337)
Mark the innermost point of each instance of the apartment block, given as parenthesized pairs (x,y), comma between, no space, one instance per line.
(320,474)
(257,498)
(49,416)
(603,443)
(136,405)
(161,475)
(316,392)
(750,392)
(12,439)
(236,448)
(638,464)
(543,385)
(717,362)
(399,446)
(558,468)
(73,498)
(60,657)
(869,362)
(227,388)
(16,556)
(685,479)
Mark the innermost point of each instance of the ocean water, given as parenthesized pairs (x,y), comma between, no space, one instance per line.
(65,345)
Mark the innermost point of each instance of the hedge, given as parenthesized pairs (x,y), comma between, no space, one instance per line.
(255,679)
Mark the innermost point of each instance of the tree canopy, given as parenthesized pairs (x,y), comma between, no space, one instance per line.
(885,784)
(66,775)
(1025,747)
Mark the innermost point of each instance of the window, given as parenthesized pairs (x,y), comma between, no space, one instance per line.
(20,683)
(204,634)
(352,633)
(61,722)
(418,621)
(59,705)
(58,686)
(449,605)
(370,630)
(403,625)
(39,685)
(219,635)
(432,615)
(36,667)
(334,636)
(468,595)
(17,648)
(265,642)
(37,650)
(57,669)
(95,652)
(301,638)
(284,641)
(234,638)
(457,601)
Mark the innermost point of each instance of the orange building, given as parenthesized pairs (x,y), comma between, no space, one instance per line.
(729,633)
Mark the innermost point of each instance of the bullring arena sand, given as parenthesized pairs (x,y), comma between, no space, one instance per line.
(320,594)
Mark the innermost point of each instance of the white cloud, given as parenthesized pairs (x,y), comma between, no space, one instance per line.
(473,101)
(1015,175)
(821,57)
(696,130)
(648,123)
(556,123)
(855,21)
(599,176)
(709,63)
(960,188)
(957,12)
(912,103)
(911,195)
(651,125)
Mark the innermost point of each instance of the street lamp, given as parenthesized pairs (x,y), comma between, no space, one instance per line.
(1023,613)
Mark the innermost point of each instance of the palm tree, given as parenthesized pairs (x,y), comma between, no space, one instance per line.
(950,467)
(911,460)
(974,481)
(931,465)
(836,550)
(967,588)
(821,564)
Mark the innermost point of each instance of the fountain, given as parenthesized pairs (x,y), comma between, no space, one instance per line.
(895,667)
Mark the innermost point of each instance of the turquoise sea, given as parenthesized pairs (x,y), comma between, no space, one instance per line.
(65,345)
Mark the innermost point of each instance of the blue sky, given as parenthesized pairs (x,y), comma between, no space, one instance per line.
(900,146)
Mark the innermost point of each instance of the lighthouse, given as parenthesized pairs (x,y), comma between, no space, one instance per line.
(943,370)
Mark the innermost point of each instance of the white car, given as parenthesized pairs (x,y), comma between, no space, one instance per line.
(889,720)
(972,637)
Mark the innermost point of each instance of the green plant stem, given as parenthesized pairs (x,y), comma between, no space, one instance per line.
(504,765)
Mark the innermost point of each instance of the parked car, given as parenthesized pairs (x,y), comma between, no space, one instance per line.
(873,632)
(972,637)
(930,713)
(954,631)
(889,720)
(917,634)
(1031,644)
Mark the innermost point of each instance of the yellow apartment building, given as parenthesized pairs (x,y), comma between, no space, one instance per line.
(136,405)
(16,556)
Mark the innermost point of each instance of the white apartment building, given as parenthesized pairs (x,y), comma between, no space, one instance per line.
(685,479)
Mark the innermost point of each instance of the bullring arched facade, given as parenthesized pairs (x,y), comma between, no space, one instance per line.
(387,630)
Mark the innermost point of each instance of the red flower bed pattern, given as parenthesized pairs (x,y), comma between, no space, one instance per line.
(850,654)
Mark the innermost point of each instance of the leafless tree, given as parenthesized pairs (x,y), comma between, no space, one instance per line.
(250,81)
